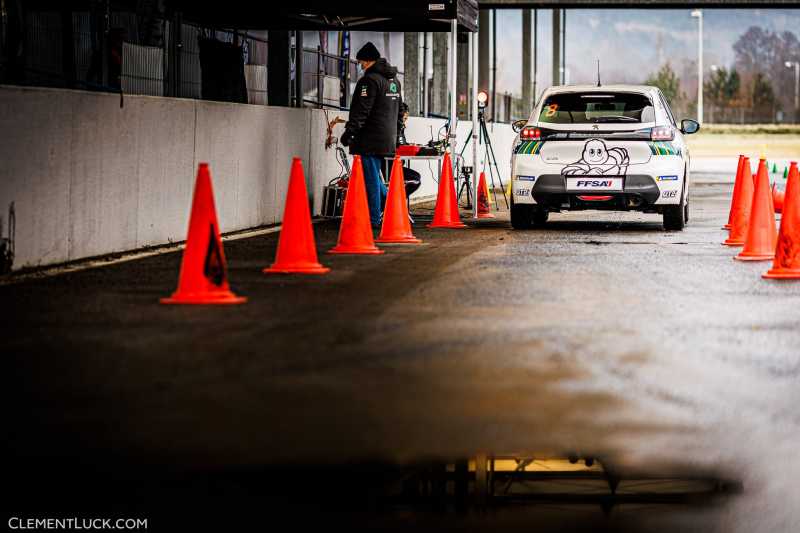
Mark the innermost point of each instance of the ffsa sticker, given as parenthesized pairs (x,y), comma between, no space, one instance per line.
(594,184)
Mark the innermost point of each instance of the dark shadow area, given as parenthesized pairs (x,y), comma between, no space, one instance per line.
(352,401)
(432,495)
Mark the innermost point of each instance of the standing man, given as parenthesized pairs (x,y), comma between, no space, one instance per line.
(375,115)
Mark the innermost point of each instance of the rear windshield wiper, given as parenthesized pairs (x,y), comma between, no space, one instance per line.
(615,118)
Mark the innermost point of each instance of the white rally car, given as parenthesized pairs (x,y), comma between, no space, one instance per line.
(614,147)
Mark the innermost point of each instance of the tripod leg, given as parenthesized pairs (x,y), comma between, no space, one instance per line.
(465,185)
(485,133)
(500,179)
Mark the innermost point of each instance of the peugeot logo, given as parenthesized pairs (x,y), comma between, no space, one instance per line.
(595,127)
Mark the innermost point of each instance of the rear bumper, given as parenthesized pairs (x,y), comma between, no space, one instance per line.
(640,192)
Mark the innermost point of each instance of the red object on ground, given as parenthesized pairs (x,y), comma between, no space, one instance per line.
(787,253)
(297,250)
(737,185)
(762,235)
(484,211)
(203,277)
(396,227)
(355,233)
(408,149)
(446,214)
(742,204)
(777,198)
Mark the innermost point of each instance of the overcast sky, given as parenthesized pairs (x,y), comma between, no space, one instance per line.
(630,43)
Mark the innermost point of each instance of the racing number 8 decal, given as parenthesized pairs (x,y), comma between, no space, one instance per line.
(551,110)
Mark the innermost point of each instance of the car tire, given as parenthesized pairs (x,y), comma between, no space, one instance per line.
(674,218)
(521,216)
(540,217)
(686,212)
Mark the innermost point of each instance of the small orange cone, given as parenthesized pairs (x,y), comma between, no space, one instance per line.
(396,227)
(737,185)
(778,198)
(742,203)
(483,198)
(203,278)
(355,233)
(787,253)
(297,250)
(446,214)
(761,233)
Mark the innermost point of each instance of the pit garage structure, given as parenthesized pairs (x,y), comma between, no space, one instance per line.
(453,16)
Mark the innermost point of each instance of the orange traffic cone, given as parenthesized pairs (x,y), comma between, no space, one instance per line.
(396,227)
(483,198)
(297,251)
(787,253)
(761,233)
(446,214)
(778,198)
(736,186)
(742,203)
(355,233)
(203,277)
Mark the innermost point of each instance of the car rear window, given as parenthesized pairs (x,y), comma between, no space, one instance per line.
(597,108)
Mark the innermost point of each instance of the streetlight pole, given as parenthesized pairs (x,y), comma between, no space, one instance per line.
(698,14)
(796,65)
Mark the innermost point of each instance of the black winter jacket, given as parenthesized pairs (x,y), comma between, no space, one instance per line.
(375,112)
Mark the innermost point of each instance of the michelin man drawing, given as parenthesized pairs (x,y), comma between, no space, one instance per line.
(599,160)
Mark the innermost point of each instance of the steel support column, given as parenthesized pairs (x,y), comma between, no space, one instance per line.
(475,126)
(453,79)
(556,47)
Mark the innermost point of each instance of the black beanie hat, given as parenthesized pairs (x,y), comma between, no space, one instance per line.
(368,52)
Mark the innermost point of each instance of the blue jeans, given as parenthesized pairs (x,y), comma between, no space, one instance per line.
(376,190)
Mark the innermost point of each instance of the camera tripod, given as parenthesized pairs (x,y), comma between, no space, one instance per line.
(488,156)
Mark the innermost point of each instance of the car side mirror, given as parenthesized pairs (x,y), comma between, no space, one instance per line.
(518,125)
(689,126)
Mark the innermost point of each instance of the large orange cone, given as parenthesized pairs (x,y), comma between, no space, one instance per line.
(297,251)
(778,198)
(204,277)
(396,227)
(742,203)
(355,233)
(787,253)
(446,214)
(736,186)
(483,199)
(761,233)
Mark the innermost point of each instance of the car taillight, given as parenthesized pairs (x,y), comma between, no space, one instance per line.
(529,133)
(662,133)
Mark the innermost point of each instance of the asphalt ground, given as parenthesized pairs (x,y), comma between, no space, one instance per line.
(601,335)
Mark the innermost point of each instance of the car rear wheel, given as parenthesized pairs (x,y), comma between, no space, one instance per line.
(521,216)
(674,218)
(527,216)
(540,216)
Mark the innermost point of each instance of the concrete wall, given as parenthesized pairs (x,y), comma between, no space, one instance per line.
(89,177)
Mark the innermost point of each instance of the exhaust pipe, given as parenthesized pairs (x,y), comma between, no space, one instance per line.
(635,201)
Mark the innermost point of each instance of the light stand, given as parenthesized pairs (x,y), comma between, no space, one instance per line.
(488,155)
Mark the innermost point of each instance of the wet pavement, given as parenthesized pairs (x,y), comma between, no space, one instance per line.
(601,335)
